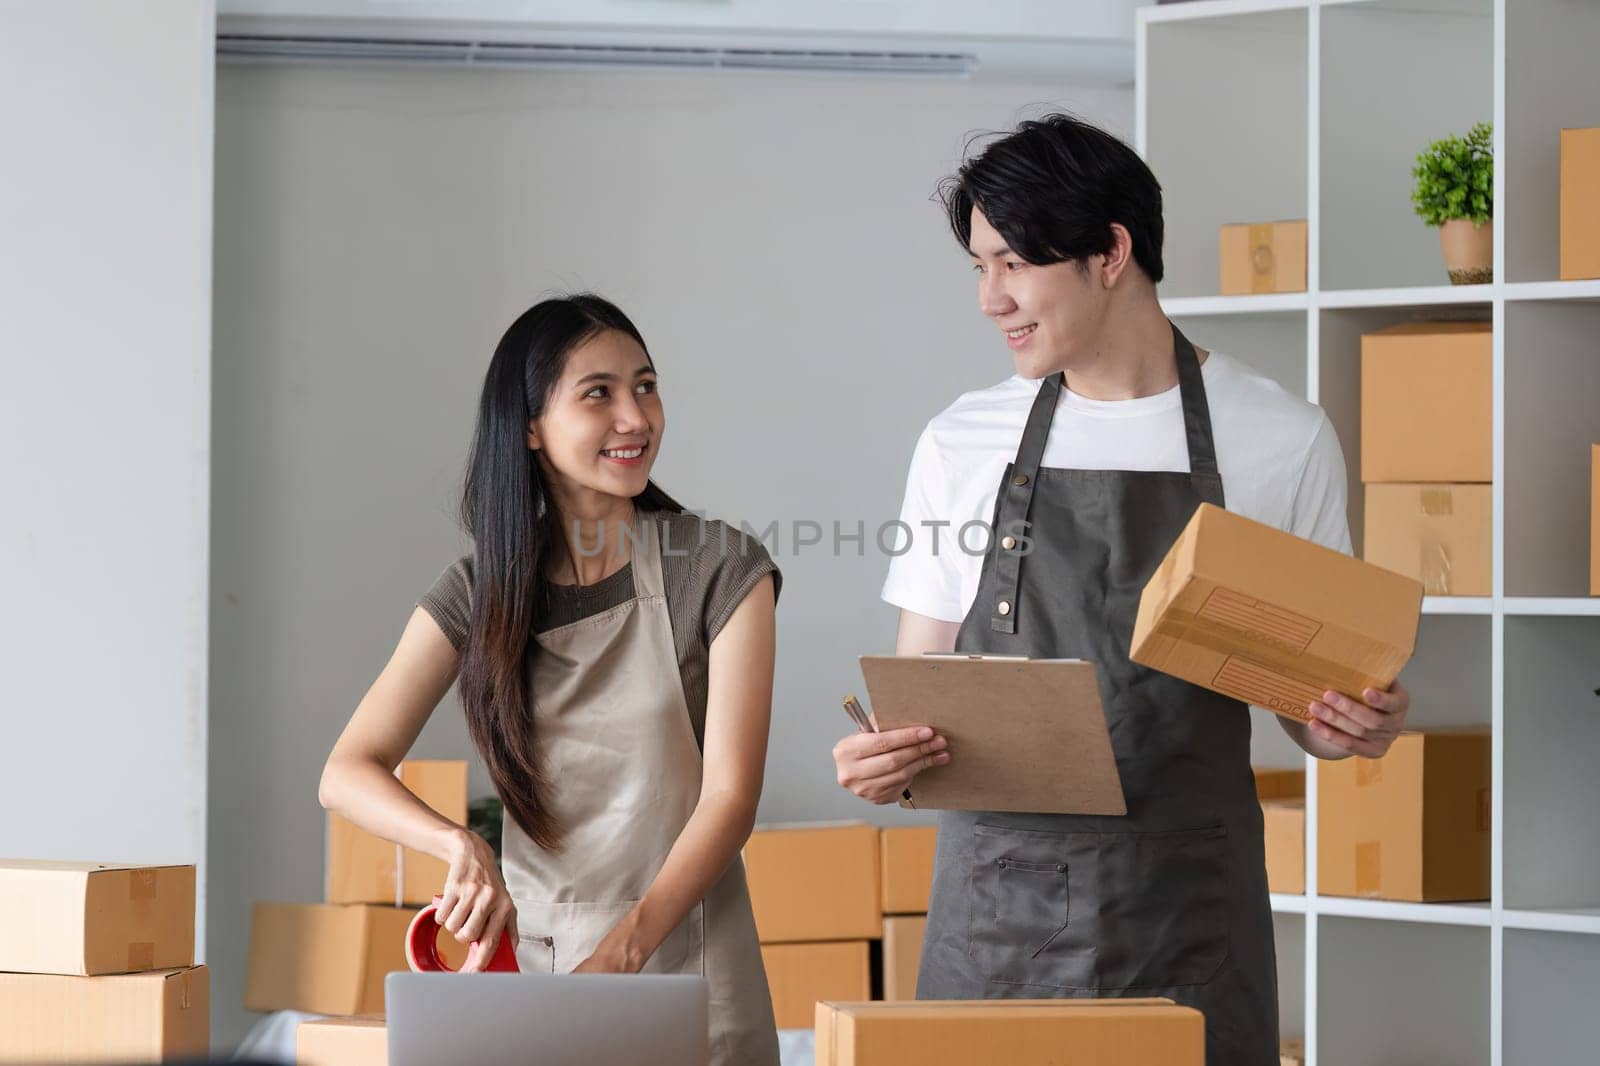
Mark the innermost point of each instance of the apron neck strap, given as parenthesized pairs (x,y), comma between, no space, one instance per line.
(647,581)
(1196,423)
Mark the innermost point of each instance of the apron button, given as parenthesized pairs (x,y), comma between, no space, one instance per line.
(1008,543)
(1020,480)
(1004,607)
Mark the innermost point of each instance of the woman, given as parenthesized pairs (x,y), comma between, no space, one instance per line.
(615,658)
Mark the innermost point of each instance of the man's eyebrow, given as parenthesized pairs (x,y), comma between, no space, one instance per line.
(998,253)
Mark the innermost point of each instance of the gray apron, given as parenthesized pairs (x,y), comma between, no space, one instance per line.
(612,732)
(1171,899)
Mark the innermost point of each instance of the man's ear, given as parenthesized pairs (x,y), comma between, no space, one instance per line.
(1118,259)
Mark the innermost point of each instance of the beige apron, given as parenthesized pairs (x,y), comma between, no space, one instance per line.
(613,736)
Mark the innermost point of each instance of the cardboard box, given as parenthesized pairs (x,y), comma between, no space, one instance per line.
(363,868)
(1438,534)
(1580,204)
(1292,1053)
(95,918)
(1426,403)
(342,1042)
(1275,784)
(1019,1032)
(328,958)
(902,955)
(1262,257)
(1594,521)
(1265,617)
(1411,826)
(1285,828)
(907,868)
(801,975)
(814,882)
(122,1018)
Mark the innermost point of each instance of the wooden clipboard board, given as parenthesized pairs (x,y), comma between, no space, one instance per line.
(1025,735)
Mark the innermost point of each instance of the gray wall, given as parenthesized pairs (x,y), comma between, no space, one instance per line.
(105,393)
(377,229)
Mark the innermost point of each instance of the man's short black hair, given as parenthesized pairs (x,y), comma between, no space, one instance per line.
(1053,188)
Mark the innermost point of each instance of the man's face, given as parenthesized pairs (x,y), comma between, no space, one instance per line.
(1049,315)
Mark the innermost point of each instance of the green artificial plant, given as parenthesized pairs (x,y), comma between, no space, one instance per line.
(1455,178)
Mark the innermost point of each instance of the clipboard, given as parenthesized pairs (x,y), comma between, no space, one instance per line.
(1026,735)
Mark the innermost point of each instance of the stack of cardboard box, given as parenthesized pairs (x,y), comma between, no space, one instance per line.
(332,957)
(818,909)
(1283,813)
(1426,454)
(98,964)
(907,868)
(1411,826)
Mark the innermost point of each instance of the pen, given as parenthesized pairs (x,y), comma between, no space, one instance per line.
(858,715)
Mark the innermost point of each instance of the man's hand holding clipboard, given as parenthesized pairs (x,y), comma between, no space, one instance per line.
(879,765)
(1032,734)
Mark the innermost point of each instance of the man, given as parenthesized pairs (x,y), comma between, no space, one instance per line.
(1129,430)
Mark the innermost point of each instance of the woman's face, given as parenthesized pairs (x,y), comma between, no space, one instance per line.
(602,425)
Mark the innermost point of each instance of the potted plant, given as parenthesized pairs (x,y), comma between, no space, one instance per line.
(1455,191)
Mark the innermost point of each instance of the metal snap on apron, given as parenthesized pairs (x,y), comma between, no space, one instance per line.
(1170,900)
(613,736)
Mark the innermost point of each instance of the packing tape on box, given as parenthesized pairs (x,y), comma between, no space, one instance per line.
(1309,670)
(142,955)
(142,886)
(1435,568)
(1368,771)
(183,989)
(1369,867)
(1438,503)
(1263,263)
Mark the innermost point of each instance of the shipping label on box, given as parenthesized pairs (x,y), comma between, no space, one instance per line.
(1438,534)
(328,958)
(814,882)
(96,918)
(363,868)
(799,976)
(342,1042)
(1412,826)
(902,955)
(1580,204)
(1284,823)
(160,1016)
(1268,618)
(1257,257)
(907,868)
(1073,1032)
(1427,403)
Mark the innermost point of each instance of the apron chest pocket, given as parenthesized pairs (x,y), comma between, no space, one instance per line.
(1098,911)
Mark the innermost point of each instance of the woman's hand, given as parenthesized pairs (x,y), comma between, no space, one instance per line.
(610,956)
(475,905)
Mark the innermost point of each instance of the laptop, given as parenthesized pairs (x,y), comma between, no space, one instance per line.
(508,1019)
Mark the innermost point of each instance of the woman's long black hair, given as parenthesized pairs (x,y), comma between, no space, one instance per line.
(515,525)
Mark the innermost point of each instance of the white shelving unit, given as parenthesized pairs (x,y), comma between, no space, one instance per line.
(1250,110)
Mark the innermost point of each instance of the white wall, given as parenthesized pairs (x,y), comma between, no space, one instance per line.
(377,229)
(105,393)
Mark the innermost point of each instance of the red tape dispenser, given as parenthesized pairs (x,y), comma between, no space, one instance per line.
(422,946)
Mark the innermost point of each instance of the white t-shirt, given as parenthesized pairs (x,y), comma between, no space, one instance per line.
(1278,455)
